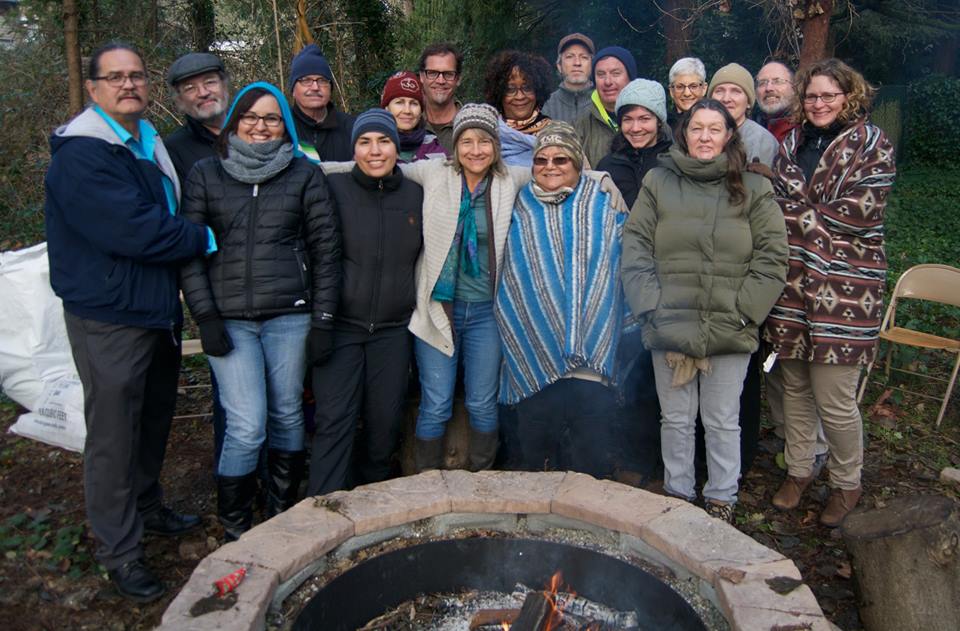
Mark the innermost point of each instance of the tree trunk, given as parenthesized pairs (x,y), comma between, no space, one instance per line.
(906,559)
(816,31)
(672,21)
(71,39)
(204,26)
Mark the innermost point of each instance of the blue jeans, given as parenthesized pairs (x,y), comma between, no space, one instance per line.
(477,344)
(261,382)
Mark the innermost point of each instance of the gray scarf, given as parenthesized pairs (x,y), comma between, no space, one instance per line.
(552,197)
(257,162)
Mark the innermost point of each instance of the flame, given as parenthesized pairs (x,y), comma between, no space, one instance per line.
(556,615)
(505,626)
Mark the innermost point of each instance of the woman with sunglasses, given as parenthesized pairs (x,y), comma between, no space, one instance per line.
(268,293)
(561,311)
(705,258)
(832,177)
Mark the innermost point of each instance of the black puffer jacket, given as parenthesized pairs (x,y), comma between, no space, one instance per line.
(627,167)
(279,244)
(381,224)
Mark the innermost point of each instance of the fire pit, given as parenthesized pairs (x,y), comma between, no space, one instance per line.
(754,587)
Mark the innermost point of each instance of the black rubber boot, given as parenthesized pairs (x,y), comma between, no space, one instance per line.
(235,503)
(483,450)
(286,472)
(428,454)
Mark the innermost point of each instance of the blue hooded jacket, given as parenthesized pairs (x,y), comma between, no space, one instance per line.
(284,110)
(114,248)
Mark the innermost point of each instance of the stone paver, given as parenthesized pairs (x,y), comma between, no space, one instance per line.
(386,504)
(610,504)
(703,544)
(289,541)
(501,491)
(750,619)
(248,614)
(950,475)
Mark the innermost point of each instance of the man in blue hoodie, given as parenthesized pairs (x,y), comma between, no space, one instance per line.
(115,246)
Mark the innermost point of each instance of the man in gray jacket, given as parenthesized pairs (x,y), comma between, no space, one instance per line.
(574,58)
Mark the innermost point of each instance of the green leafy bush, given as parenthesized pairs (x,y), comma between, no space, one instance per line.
(932,131)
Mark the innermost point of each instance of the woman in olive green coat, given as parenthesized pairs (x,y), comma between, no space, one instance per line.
(704,260)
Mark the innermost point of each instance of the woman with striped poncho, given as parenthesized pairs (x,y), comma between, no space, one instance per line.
(561,311)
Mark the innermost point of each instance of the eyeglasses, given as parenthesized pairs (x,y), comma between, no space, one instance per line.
(762,83)
(118,79)
(270,120)
(559,161)
(512,91)
(209,84)
(826,97)
(692,87)
(321,82)
(433,75)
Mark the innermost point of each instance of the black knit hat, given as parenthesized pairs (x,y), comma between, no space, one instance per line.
(307,62)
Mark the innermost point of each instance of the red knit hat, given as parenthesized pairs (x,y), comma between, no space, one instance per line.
(403,83)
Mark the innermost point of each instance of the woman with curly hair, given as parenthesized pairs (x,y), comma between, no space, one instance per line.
(832,177)
(518,84)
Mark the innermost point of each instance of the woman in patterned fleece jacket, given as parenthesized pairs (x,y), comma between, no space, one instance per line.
(833,175)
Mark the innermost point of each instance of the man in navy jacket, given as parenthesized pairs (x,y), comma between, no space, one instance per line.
(115,245)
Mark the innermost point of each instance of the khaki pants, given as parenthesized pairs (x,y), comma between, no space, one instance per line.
(830,392)
(774,394)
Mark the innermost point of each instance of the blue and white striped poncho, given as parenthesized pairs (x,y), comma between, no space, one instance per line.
(560,303)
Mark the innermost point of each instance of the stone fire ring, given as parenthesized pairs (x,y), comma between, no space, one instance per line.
(281,553)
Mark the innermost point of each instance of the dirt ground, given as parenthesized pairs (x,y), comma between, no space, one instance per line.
(49,581)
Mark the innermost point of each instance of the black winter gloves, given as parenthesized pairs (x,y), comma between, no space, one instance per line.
(319,345)
(214,337)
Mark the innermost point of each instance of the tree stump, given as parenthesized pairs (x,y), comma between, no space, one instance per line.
(906,559)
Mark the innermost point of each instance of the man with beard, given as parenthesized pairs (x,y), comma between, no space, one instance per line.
(775,98)
(116,245)
(323,131)
(572,98)
(202,92)
(440,72)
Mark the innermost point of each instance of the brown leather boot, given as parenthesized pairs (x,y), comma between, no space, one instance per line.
(790,492)
(840,503)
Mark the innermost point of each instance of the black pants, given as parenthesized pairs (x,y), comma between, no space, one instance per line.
(365,376)
(129,378)
(638,427)
(569,425)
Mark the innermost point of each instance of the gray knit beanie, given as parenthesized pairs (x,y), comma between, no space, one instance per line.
(561,134)
(476,116)
(646,93)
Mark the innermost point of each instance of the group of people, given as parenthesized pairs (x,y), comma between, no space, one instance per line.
(555,252)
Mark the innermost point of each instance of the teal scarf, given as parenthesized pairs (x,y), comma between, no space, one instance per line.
(463,250)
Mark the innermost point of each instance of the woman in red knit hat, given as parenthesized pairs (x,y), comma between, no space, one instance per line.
(403,97)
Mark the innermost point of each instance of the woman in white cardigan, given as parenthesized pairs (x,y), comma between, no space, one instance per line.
(467,205)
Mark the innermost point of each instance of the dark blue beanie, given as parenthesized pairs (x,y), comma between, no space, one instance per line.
(375,119)
(307,62)
(624,55)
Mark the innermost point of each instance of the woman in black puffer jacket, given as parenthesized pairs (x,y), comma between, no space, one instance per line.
(381,223)
(272,284)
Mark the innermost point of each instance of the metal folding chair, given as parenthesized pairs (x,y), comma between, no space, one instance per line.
(935,283)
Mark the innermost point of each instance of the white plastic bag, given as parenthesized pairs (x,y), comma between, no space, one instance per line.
(36,366)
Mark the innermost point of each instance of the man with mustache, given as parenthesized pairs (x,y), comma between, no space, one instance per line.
(775,99)
(115,245)
(572,98)
(323,131)
(202,94)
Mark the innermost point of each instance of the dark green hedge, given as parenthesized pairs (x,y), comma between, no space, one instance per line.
(933,121)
